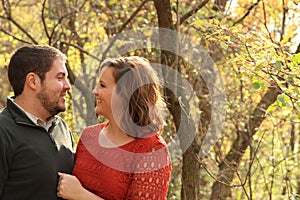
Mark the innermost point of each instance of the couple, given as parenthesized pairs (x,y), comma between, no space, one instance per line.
(124,158)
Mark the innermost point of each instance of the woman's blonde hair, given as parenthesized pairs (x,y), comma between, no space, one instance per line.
(137,84)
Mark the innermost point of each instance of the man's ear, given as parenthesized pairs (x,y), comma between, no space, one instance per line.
(32,80)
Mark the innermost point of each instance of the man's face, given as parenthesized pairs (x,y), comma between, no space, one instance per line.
(54,88)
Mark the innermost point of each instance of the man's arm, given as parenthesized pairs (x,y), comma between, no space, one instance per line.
(4,164)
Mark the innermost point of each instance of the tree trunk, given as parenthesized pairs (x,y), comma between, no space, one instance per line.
(191,167)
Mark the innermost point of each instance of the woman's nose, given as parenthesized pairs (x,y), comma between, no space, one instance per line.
(94,91)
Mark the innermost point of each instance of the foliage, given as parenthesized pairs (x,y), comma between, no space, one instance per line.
(252,43)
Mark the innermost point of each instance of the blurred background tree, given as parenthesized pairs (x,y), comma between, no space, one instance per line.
(255,46)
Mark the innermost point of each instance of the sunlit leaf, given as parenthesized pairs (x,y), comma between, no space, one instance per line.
(257,85)
(282,100)
(271,108)
(296,58)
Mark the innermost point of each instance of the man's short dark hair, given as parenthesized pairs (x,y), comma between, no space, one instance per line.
(31,58)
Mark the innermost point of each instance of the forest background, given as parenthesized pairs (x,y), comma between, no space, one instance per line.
(243,108)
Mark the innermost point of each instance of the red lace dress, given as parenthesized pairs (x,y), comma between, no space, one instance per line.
(137,170)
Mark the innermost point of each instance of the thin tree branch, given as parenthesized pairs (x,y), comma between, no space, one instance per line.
(6,7)
(285,11)
(44,21)
(243,185)
(16,38)
(58,23)
(123,27)
(81,49)
(79,105)
(265,22)
(49,36)
(242,182)
(247,13)
(240,144)
(21,28)
(132,16)
(216,179)
(192,12)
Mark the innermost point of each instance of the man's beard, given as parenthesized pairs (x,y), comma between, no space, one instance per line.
(51,106)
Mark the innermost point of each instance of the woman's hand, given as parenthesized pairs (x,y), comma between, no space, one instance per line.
(69,187)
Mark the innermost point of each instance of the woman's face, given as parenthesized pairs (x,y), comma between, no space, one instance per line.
(103,92)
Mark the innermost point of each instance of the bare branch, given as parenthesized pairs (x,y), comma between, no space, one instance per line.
(265,23)
(21,28)
(239,146)
(81,49)
(43,20)
(247,13)
(193,11)
(123,27)
(58,23)
(19,39)
(132,16)
(6,7)
(285,11)
(79,105)
(50,36)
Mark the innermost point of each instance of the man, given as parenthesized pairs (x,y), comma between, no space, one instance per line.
(35,144)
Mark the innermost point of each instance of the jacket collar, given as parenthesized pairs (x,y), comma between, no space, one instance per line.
(17,114)
(20,116)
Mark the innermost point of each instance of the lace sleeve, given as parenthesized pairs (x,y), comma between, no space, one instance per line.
(150,185)
(152,175)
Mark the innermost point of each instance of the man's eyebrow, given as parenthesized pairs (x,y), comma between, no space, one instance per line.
(62,73)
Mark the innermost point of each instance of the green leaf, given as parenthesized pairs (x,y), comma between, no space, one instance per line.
(282,100)
(257,85)
(278,63)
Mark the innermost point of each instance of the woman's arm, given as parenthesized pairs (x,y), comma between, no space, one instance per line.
(69,187)
(151,170)
(150,185)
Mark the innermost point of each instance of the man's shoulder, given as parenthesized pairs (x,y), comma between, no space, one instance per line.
(59,120)
(5,115)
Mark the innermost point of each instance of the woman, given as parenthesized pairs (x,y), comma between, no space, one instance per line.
(124,158)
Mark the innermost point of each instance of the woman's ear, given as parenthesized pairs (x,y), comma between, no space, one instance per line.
(32,80)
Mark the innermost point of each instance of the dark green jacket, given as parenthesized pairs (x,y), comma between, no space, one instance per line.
(30,157)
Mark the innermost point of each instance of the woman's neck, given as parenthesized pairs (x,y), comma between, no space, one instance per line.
(114,134)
